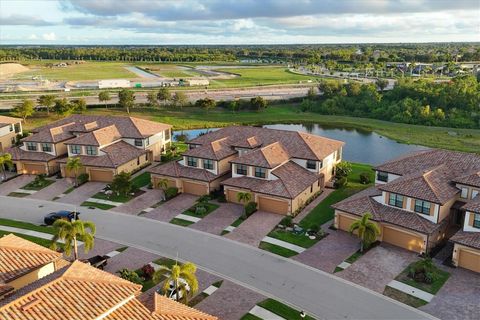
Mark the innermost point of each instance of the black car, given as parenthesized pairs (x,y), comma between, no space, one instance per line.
(63,214)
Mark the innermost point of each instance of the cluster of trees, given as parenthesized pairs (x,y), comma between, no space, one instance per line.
(61,107)
(455,103)
(307,53)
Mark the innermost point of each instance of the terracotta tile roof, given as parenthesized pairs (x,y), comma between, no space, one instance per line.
(269,156)
(175,170)
(297,144)
(433,185)
(473,205)
(471,179)
(115,155)
(6,121)
(19,257)
(292,180)
(469,239)
(215,150)
(53,134)
(168,309)
(364,202)
(19,154)
(98,137)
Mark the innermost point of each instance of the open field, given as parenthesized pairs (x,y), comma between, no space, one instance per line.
(170,70)
(259,76)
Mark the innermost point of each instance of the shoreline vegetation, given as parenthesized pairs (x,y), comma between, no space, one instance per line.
(467,140)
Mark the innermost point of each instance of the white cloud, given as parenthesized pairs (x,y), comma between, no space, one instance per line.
(33,36)
(51,36)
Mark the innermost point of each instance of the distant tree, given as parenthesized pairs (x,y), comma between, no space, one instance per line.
(152,99)
(233,106)
(121,184)
(312,93)
(164,94)
(63,107)
(179,99)
(367,230)
(79,105)
(104,96)
(206,103)
(24,110)
(47,101)
(5,162)
(329,88)
(258,103)
(381,84)
(126,99)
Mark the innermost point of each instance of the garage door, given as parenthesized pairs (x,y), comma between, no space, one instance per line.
(170,182)
(402,239)
(101,175)
(71,173)
(31,168)
(195,188)
(344,222)
(272,205)
(232,196)
(469,260)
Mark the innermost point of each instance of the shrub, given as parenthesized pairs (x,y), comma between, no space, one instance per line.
(423,271)
(200,209)
(343,169)
(82,178)
(203,199)
(39,180)
(130,275)
(250,208)
(365,178)
(287,221)
(341,182)
(171,192)
(221,198)
(148,271)
(314,228)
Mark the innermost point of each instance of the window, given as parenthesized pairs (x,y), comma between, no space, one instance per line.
(208,164)
(382,176)
(147,141)
(192,146)
(474,193)
(320,164)
(191,162)
(167,134)
(338,154)
(11,128)
(396,200)
(75,149)
(464,193)
(476,220)
(241,169)
(91,150)
(46,147)
(260,172)
(311,164)
(31,146)
(422,207)
(138,143)
(17,128)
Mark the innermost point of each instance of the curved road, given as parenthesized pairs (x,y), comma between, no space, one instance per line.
(318,293)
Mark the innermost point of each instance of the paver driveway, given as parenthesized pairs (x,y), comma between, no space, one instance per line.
(230,301)
(172,208)
(255,228)
(330,251)
(131,258)
(16,183)
(135,206)
(53,190)
(378,266)
(219,219)
(101,248)
(459,298)
(82,193)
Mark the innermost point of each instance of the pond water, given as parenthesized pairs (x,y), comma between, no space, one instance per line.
(360,146)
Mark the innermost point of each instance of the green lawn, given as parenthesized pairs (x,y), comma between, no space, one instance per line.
(171,70)
(403,297)
(141,180)
(354,257)
(113,197)
(298,239)
(210,208)
(181,222)
(442,277)
(97,205)
(281,251)
(38,185)
(259,76)
(323,213)
(18,194)
(25,225)
(282,310)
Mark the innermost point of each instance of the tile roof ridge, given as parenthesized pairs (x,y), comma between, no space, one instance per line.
(302,137)
(32,247)
(132,120)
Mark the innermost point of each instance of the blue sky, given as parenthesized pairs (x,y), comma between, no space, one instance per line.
(237,22)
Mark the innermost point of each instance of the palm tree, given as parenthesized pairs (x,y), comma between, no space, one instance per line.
(69,231)
(367,230)
(181,276)
(74,164)
(162,184)
(5,161)
(244,197)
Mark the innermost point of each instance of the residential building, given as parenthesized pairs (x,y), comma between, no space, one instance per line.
(281,169)
(106,145)
(418,201)
(79,291)
(9,128)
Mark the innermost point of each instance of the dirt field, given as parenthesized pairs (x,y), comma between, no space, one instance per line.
(10,69)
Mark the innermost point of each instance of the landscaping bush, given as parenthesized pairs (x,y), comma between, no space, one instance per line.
(39,180)
(341,182)
(203,199)
(130,275)
(82,178)
(423,271)
(200,209)
(171,192)
(287,221)
(343,169)
(147,271)
(365,178)
(222,198)
(250,208)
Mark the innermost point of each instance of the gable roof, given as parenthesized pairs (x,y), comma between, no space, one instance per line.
(469,239)
(471,179)
(173,169)
(6,121)
(269,156)
(473,205)
(98,137)
(216,150)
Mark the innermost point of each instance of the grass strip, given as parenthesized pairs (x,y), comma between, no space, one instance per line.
(97,205)
(281,251)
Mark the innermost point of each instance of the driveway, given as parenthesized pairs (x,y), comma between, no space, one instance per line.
(53,190)
(378,267)
(330,251)
(219,219)
(135,206)
(458,298)
(101,248)
(255,228)
(230,301)
(172,207)
(131,258)
(16,183)
(82,193)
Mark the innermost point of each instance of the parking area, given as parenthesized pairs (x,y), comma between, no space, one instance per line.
(378,267)
(82,193)
(135,206)
(15,183)
(173,207)
(219,219)
(255,228)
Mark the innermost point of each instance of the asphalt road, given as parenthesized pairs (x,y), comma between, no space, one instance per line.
(318,293)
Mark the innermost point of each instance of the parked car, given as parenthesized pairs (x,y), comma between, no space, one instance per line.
(63,214)
(97,261)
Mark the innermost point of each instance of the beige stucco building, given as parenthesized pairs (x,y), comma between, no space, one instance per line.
(9,129)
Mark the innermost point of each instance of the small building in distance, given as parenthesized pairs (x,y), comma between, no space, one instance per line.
(114,83)
(195,82)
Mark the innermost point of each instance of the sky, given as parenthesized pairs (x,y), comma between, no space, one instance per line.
(157,22)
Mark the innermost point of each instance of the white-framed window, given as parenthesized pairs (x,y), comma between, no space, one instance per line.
(422,207)
(396,200)
(91,150)
(31,146)
(241,169)
(138,143)
(311,164)
(191,162)
(75,149)
(474,193)
(464,194)
(11,128)
(382,176)
(208,164)
(476,220)
(46,147)
(260,172)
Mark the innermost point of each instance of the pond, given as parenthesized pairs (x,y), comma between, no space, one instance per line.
(360,146)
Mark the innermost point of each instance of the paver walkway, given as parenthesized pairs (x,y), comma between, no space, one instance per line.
(16,183)
(327,253)
(264,313)
(284,244)
(378,266)
(82,193)
(143,201)
(101,248)
(172,207)
(417,293)
(312,205)
(219,219)
(458,298)
(230,301)
(255,228)
(131,259)
(53,190)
